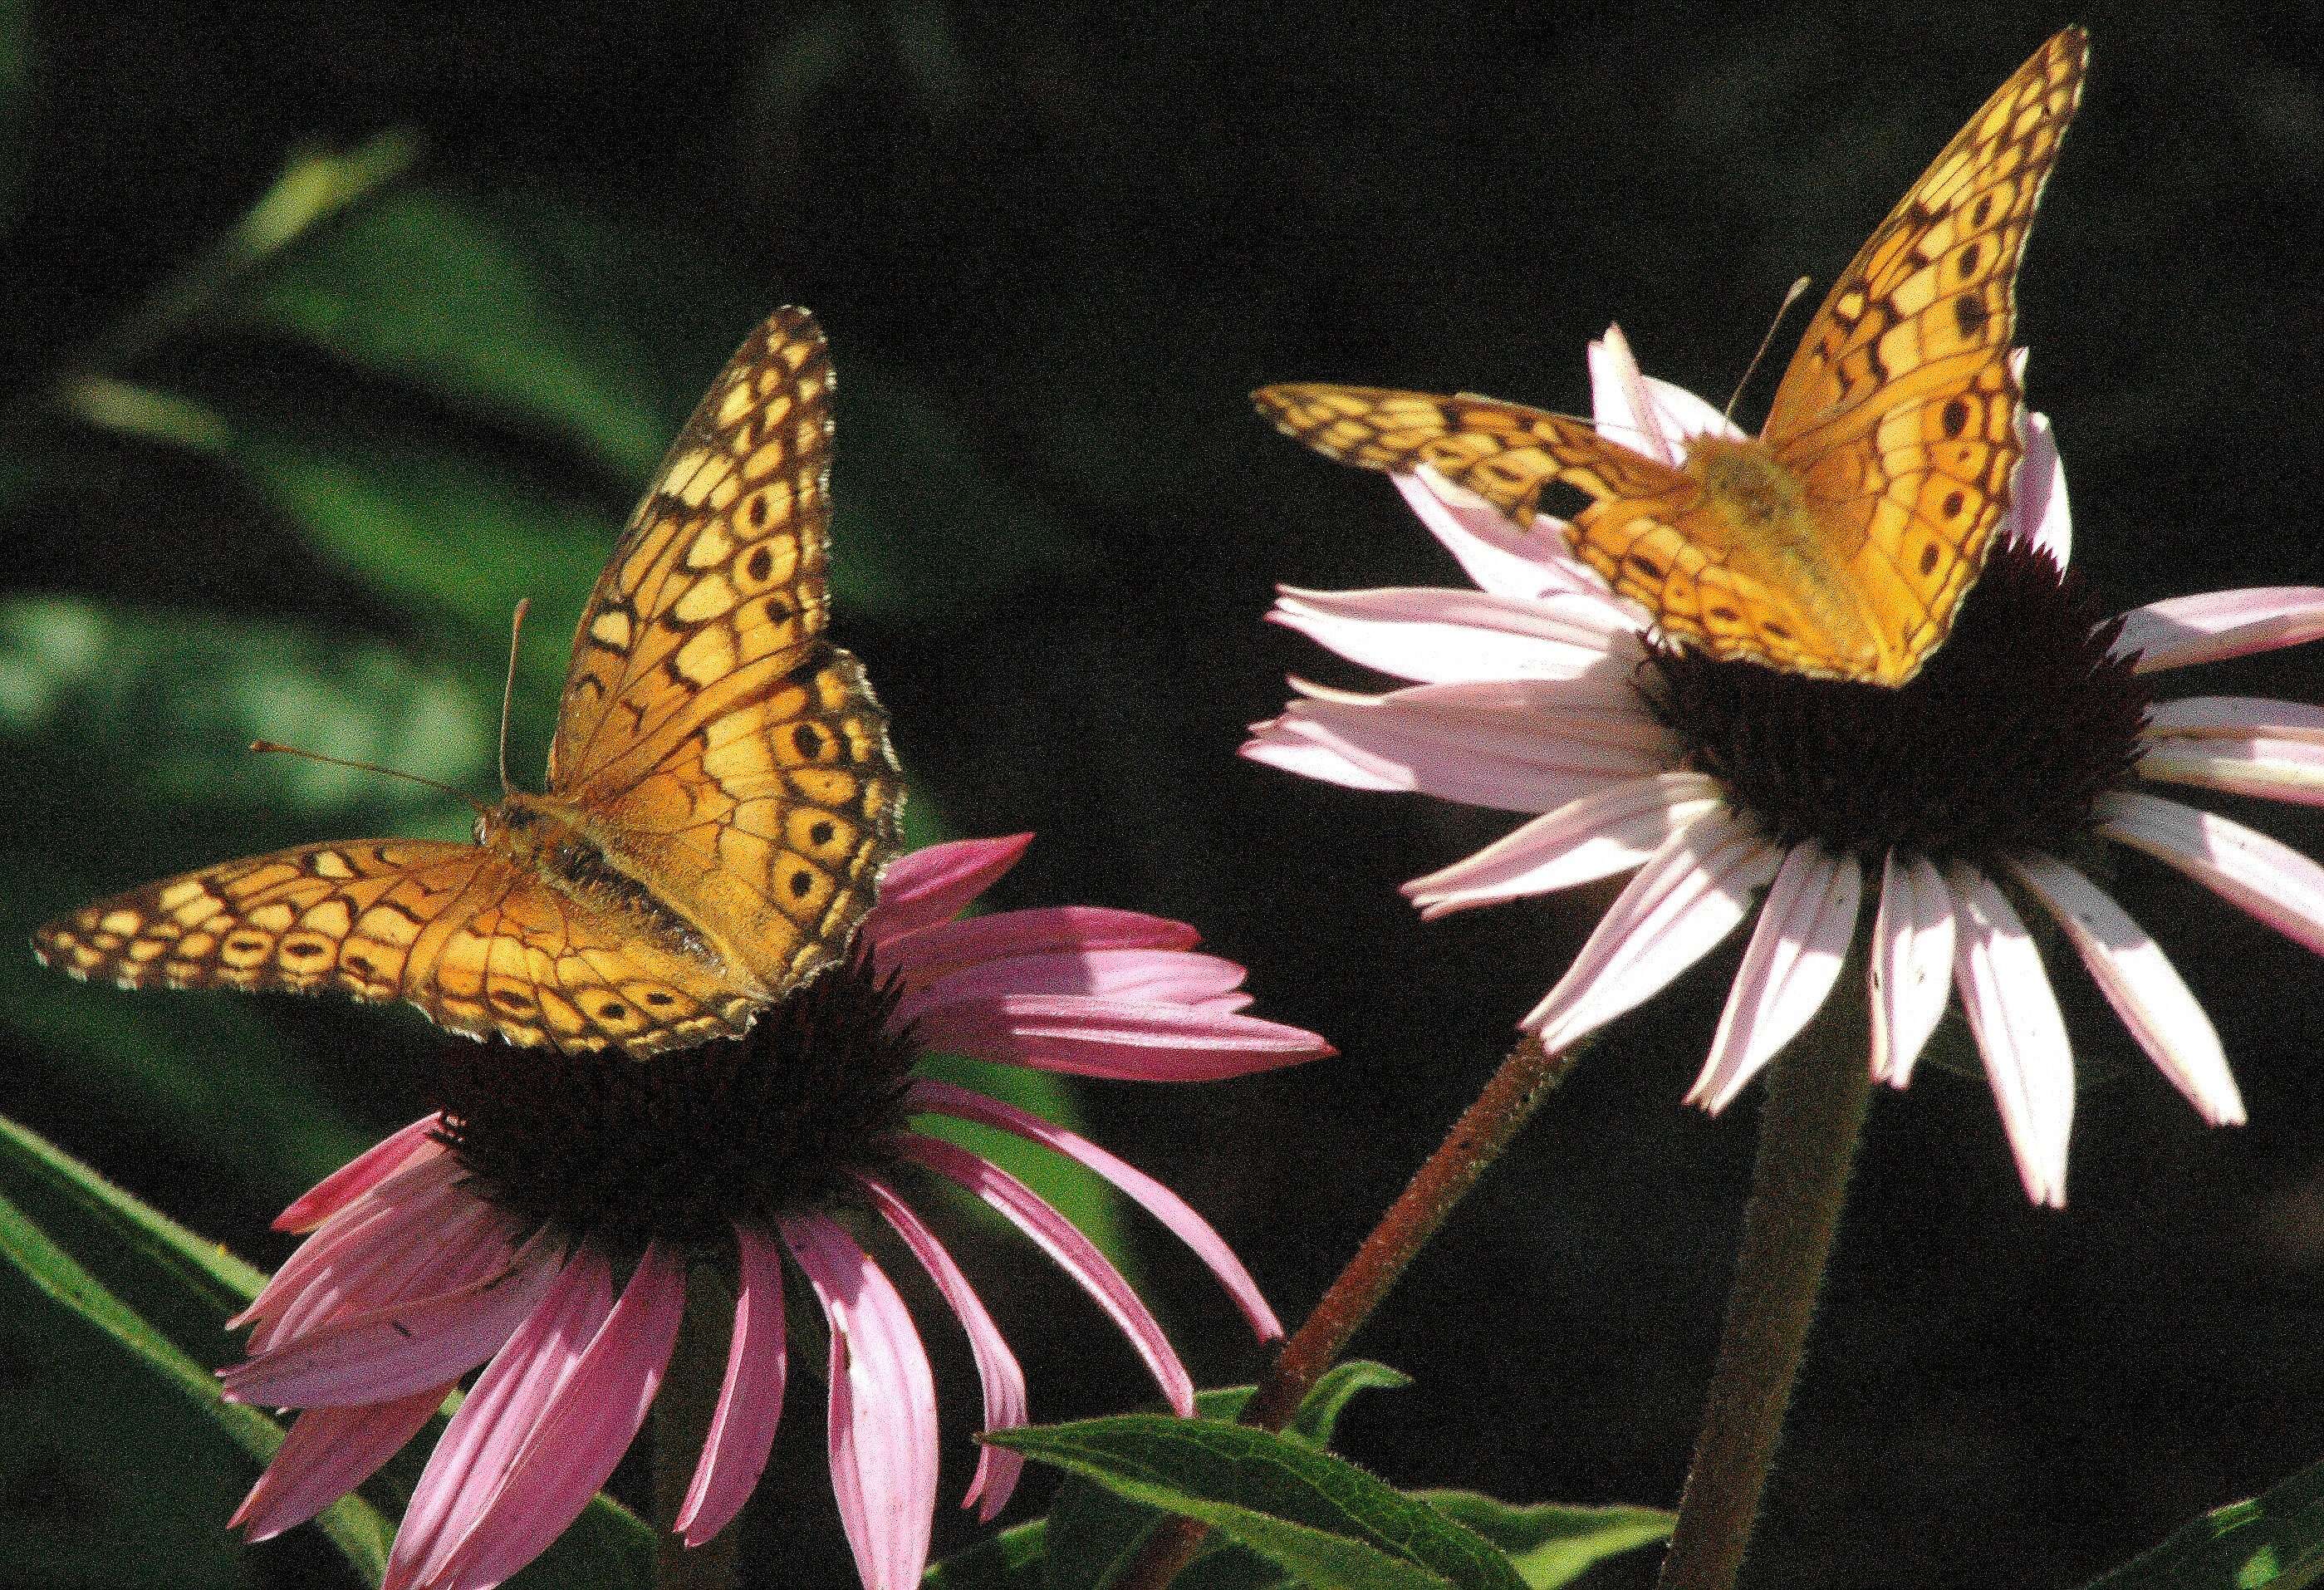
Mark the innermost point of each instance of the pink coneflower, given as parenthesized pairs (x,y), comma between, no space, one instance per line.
(2031,734)
(546,1216)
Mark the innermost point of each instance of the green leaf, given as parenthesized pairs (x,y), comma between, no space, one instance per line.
(431,287)
(2276,1539)
(353,1526)
(1551,1544)
(1317,1517)
(1094,1532)
(1011,1560)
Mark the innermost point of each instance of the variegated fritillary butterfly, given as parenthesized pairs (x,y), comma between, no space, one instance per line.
(1841,540)
(722,797)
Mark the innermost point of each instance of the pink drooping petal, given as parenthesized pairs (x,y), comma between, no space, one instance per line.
(1496,554)
(380,1232)
(2039,515)
(472,1457)
(749,1399)
(434,1250)
(2014,1018)
(1788,969)
(1512,745)
(1584,841)
(1644,414)
(883,1406)
(2259,765)
(1912,963)
(580,1434)
(1111,1038)
(1135,976)
(1073,1252)
(928,953)
(329,1452)
(1695,892)
(936,883)
(2235,717)
(1448,636)
(2182,629)
(1139,1041)
(946,1098)
(2265,877)
(360,1175)
(2141,984)
(997,1370)
(382,1354)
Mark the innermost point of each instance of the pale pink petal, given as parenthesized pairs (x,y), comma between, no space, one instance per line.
(883,1406)
(926,1093)
(1510,754)
(1580,842)
(1912,963)
(1644,414)
(1137,976)
(1696,891)
(2271,880)
(932,952)
(2141,984)
(2183,630)
(472,1457)
(383,1354)
(1788,969)
(997,1370)
(936,883)
(749,1399)
(360,1175)
(390,1227)
(2019,1031)
(1445,636)
(2040,514)
(580,1434)
(1073,1252)
(436,1251)
(2235,717)
(2250,764)
(1496,554)
(1108,1038)
(329,1452)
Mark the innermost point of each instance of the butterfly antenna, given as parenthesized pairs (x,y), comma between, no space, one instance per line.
(508,687)
(1782,309)
(372,767)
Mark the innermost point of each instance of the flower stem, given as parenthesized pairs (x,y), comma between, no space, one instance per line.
(681,1421)
(1477,1139)
(1809,1123)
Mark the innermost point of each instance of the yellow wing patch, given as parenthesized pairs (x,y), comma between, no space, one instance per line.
(722,794)
(1842,540)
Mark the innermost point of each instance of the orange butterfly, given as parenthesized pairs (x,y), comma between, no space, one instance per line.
(722,797)
(1841,540)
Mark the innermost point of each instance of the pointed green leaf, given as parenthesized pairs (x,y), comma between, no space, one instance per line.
(1320,1409)
(1550,1544)
(2274,1540)
(1316,1516)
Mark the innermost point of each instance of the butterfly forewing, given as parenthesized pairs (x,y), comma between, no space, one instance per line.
(1841,542)
(722,793)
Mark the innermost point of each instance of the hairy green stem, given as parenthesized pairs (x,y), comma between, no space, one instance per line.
(1477,1139)
(1810,1124)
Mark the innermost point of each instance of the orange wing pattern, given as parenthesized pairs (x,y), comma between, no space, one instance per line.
(721,792)
(479,943)
(1841,542)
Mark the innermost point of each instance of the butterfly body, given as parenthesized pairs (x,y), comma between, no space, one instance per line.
(1841,541)
(720,798)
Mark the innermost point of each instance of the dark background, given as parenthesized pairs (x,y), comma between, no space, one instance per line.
(1053,247)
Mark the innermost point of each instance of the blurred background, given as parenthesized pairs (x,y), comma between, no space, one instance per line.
(284,470)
